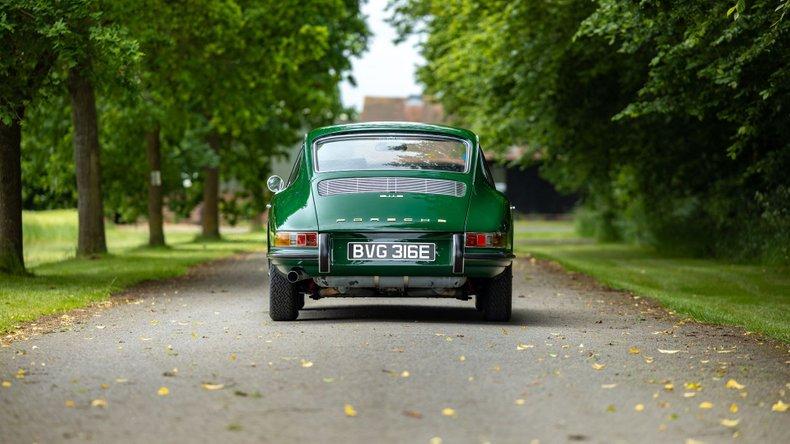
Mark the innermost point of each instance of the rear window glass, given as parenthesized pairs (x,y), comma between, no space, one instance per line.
(391,152)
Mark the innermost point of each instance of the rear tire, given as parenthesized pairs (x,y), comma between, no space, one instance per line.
(479,306)
(497,297)
(283,297)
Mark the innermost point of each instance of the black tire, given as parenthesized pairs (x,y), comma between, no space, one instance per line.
(479,306)
(300,301)
(283,297)
(498,297)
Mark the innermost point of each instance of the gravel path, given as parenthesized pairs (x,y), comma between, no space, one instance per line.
(198,360)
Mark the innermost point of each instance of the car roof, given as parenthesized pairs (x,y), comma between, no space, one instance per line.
(391,126)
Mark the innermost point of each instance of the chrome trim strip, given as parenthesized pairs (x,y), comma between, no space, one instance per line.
(293,255)
(393,186)
(495,256)
(324,253)
(458,253)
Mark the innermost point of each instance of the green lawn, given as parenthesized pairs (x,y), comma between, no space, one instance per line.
(753,296)
(59,282)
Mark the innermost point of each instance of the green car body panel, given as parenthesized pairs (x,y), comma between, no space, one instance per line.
(407,217)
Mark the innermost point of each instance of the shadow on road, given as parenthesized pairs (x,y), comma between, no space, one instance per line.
(421,313)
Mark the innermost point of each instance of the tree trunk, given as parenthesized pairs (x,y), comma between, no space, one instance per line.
(11,255)
(156,232)
(91,239)
(210,217)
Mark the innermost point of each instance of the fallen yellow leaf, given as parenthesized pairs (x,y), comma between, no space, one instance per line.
(70,404)
(462,358)
(163,391)
(648,359)
(348,409)
(668,352)
(522,346)
(6,384)
(608,386)
(99,403)
(729,422)
(689,394)
(669,387)
(405,374)
(693,386)
(705,405)
(598,366)
(633,351)
(435,440)
(639,407)
(210,386)
(447,411)
(520,401)
(779,407)
(412,414)
(733,384)
(306,363)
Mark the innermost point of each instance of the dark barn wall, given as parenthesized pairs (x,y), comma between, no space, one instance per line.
(532,194)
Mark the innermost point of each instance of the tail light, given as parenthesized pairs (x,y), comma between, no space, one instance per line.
(485,240)
(295,239)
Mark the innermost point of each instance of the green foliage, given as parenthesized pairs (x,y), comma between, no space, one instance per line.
(669,117)
(255,72)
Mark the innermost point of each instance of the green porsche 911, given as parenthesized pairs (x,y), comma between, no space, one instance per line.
(389,209)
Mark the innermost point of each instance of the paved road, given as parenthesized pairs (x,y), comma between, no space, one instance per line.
(573,365)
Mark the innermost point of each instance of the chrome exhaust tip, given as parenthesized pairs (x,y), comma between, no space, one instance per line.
(296,275)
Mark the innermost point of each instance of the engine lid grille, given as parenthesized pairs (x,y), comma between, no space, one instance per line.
(353,185)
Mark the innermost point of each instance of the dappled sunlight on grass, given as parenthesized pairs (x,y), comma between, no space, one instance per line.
(754,296)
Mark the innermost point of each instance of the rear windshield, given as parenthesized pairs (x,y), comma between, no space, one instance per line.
(391,152)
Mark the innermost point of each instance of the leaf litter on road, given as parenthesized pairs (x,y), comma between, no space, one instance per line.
(349,410)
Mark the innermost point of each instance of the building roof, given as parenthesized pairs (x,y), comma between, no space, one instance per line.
(413,108)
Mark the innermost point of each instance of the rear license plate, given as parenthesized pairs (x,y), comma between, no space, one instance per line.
(391,251)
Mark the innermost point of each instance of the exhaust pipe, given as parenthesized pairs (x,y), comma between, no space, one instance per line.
(296,275)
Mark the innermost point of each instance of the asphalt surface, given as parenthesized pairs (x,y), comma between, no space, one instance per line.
(577,363)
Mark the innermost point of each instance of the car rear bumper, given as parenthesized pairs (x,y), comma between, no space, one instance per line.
(451,257)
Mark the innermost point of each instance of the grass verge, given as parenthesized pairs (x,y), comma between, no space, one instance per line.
(56,287)
(755,297)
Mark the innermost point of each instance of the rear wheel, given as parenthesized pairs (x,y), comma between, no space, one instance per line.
(479,306)
(284,299)
(497,297)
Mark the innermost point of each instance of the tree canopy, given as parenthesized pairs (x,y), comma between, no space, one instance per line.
(173,99)
(670,118)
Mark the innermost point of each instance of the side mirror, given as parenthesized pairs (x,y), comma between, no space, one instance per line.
(275,184)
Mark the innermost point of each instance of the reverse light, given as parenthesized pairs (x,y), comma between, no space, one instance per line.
(296,239)
(485,240)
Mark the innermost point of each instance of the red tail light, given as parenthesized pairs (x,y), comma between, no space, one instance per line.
(485,240)
(296,239)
